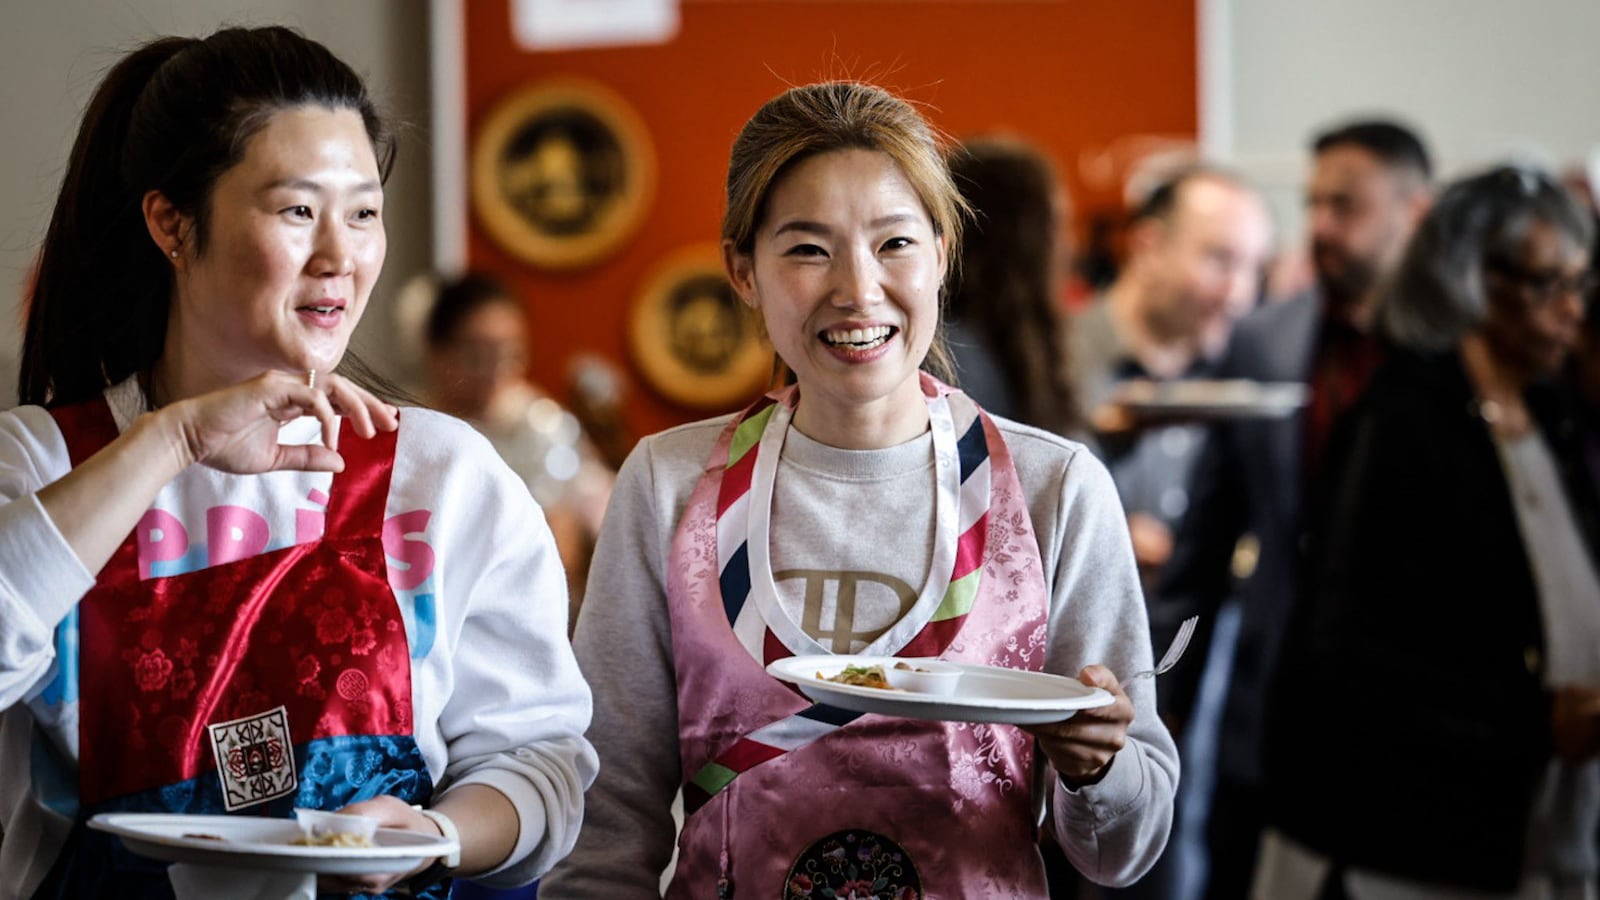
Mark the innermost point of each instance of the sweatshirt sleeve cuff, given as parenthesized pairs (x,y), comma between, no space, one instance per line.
(1123,788)
(40,575)
(528,803)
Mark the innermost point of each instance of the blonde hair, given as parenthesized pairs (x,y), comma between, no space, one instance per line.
(842,115)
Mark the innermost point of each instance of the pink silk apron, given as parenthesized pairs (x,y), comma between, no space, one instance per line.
(786,798)
(255,685)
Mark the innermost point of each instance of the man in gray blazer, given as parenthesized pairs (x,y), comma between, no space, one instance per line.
(1368,189)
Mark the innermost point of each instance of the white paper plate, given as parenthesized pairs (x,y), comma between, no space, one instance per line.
(1205,399)
(985,693)
(252,842)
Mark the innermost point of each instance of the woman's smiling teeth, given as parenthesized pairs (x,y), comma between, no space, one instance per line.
(858,338)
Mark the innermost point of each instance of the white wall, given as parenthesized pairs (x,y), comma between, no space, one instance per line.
(1483,80)
(53,52)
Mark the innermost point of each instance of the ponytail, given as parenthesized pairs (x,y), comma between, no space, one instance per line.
(98,312)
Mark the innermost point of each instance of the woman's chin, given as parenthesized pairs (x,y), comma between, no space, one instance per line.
(320,359)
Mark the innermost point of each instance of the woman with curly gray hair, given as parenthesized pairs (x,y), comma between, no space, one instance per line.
(1446,666)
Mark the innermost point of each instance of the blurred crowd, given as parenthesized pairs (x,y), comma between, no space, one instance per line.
(1394,573)
(1393,690)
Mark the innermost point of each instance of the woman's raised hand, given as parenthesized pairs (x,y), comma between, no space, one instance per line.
(236,429)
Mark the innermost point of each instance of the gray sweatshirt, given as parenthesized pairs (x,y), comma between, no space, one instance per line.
(851,513)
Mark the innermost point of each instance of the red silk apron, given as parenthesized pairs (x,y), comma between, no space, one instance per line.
(278,680)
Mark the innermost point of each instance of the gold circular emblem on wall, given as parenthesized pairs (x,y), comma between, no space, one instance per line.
(561,173)
(694,340)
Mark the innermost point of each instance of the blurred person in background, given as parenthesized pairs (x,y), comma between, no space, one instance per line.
(1196,248)
(1435,729)
(1005,325)
(1368,189)
(477,337)
(597,395)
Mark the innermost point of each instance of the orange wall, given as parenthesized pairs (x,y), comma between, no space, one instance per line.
(1071,75)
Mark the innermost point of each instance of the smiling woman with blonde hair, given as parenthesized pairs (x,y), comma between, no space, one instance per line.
(867,509)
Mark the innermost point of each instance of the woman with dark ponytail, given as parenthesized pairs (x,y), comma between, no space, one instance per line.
(1007,329)
(216,536)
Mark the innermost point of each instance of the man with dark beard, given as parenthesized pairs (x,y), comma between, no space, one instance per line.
(1368,189)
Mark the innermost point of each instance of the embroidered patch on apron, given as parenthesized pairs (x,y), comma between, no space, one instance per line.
(854,865)
(255,758)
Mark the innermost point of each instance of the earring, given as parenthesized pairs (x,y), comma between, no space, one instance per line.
(173,254)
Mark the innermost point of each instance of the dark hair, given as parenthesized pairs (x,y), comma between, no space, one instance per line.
(171,116)
(1436,295)
(459,298)
(1162,201)
(1159,203)
(813,119)
(1005,289)
(1397,146)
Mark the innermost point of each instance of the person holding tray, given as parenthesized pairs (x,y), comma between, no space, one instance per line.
(232,577)
(867,509)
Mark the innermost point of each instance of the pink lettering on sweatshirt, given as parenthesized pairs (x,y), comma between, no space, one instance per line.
(160,538)
(413,553)
(234,533)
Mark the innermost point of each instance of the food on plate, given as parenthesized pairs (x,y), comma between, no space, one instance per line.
(860,676)
(330,829)
(334,839)
(937,679)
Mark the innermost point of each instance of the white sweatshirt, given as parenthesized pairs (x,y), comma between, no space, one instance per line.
(498,697)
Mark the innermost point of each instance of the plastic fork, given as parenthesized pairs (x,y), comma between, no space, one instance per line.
(1169,659)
